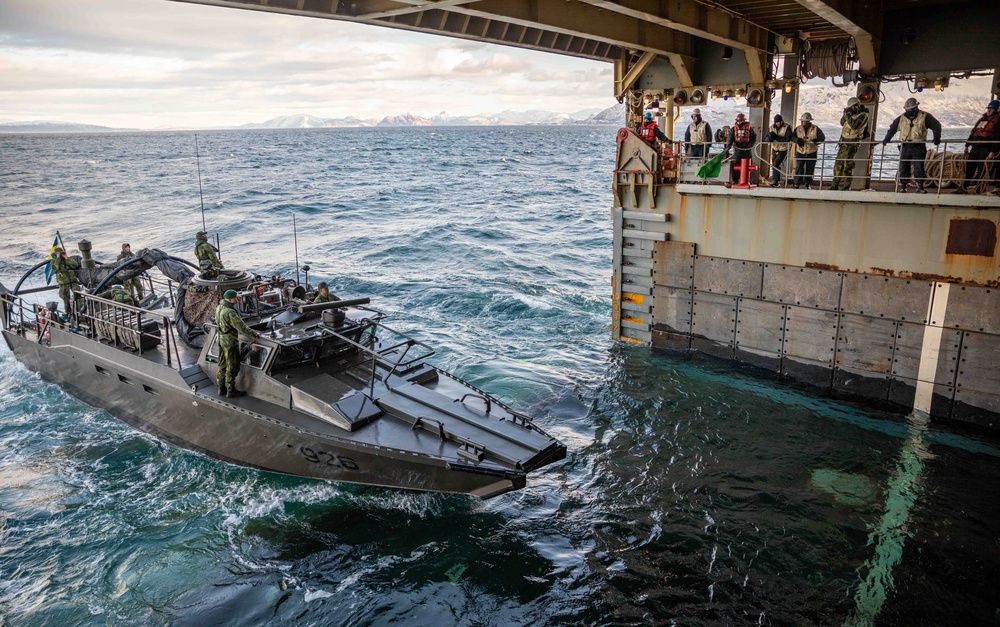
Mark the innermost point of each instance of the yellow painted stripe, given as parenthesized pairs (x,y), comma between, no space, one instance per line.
(635,320)
(632,298)
(631,340)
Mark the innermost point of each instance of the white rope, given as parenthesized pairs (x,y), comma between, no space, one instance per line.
(826,59)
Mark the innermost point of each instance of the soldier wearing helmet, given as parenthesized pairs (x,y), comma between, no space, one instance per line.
(324,295)
(207,254)
(807,137)
(854,129)
(913,126)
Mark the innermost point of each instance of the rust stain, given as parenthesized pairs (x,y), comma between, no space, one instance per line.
(906,274)
(972,236)
(822,266)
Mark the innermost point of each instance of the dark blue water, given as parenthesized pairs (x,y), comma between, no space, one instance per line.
(694,493)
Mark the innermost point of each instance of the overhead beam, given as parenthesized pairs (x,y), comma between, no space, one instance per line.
(693,18)
(631,75)
(861,20)
(388,8)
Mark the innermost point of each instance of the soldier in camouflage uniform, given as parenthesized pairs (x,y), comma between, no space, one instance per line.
(208,258)
(324,295)
(134,285)
(119,294)
(230,326)
(855,122)
(65,268)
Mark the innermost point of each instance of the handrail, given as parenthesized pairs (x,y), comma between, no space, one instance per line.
(378,356)
(875,162)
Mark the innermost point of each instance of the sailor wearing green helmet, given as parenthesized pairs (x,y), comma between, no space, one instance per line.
(230,325)
(324,295)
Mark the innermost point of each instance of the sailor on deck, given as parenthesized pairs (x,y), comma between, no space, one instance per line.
(807,138)
(855,123)
(742,141)
(119,294)
(912,127)
(65,268)
(324,295)
(649,131)
(779,136)
(207,254)
(698,136)
(986,135)
(231,325)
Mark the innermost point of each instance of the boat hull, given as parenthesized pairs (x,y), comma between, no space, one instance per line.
(154,398)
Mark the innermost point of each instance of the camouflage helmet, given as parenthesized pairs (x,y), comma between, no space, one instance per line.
(201,235)
(323,286)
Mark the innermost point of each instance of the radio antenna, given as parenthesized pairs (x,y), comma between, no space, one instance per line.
(201,195)
(295,239)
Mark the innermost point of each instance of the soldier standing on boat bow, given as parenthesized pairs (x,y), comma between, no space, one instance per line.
(855,122)
(230,325)
(65,268)
(324,295)
(912,127)
(133,285)
(206,253)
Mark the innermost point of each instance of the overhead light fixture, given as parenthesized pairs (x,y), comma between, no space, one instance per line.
(867,93)
(727,53)
(939,83)
(755,97)
(697,97)
(922,84)
(740,92)
(726,95)
(790,84)
(681,97)
(715,94)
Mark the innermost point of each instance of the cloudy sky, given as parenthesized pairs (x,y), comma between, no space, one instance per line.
(153,63)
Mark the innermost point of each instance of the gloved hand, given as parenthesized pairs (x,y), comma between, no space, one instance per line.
(885,142)
(937,142)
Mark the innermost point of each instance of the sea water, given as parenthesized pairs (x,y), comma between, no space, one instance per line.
(694,492)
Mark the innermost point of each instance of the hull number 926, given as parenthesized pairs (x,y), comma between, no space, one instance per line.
(327,459)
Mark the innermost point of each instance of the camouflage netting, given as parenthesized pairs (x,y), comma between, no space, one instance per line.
(195,304)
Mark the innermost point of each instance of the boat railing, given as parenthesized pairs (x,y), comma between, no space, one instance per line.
(125,326)
(383,355)
(948,168)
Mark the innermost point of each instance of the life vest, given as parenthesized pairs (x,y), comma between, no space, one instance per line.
(648,131)
(699,132)
(741,133)
(848,132)
(914,130)
(808,135)
(986,128)
(781,133)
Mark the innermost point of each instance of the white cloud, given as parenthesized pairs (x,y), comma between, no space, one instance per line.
(149,63)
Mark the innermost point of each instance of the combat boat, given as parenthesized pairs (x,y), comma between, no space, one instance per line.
(332,392)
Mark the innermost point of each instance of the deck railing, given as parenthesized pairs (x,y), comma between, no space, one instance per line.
(948,168)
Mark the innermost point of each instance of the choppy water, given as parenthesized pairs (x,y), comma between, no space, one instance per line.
(694,493)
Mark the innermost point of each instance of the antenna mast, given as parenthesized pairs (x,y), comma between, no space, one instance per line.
(295,239)
(201,195)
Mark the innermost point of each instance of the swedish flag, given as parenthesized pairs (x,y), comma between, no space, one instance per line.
(49,272)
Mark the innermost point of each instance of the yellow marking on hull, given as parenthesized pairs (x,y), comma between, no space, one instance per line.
(632,298)
(631,340)
(635,320)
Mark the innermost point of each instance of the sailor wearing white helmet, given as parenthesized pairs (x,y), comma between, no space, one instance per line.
(807,138)
(913,126)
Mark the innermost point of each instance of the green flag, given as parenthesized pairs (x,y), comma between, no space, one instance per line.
(711,168)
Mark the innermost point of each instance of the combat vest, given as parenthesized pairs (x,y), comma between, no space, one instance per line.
(848,132)
(648,131)
(699,132)
(808,135)
(986,128)
(782,134)
(914,130)
(741,133)
(228,335)
(65,270)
